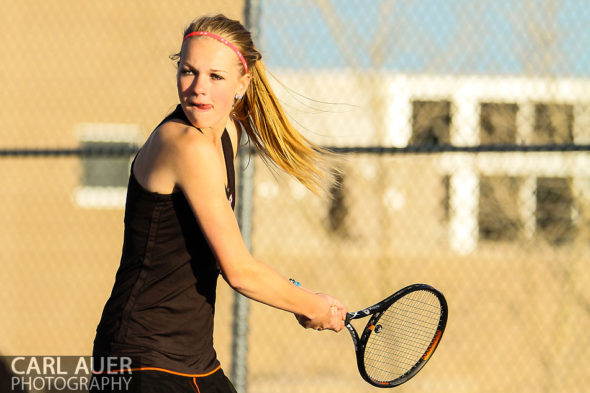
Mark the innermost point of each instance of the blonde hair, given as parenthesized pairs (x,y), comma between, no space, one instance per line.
(262,115)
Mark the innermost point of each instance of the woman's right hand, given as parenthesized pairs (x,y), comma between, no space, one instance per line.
(332,316)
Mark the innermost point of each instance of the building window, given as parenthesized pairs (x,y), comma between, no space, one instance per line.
(498,216)
(105,171)
(554,123)
(431,123)
(103,180)
(554,209)
(498,213)
(498,123)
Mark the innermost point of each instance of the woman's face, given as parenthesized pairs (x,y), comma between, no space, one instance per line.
(209,77)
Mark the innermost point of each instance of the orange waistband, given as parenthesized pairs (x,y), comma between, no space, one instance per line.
(159,369)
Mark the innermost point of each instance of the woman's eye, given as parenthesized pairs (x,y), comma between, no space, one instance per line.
(186,71)
(215,76)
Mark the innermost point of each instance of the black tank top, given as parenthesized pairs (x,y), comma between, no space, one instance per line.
(160,311)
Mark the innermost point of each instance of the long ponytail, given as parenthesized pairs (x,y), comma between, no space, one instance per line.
(276,139)
(260,112)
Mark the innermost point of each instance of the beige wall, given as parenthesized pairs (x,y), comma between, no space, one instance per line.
(67,61)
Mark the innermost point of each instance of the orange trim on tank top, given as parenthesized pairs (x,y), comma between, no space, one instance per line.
(195,382)
(164,370)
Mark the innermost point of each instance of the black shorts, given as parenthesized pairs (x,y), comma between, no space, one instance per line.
(148,381)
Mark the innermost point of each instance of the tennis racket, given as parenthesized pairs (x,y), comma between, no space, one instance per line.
(402,334)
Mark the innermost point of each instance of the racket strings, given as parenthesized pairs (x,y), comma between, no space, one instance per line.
(401,336)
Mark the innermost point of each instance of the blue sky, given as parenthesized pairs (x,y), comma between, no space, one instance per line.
(515,37)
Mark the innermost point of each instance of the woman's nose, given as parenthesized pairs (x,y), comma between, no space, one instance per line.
(200,85)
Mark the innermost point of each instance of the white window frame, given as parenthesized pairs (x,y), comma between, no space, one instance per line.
(104,197)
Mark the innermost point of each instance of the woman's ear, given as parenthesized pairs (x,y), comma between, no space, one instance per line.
(244,83)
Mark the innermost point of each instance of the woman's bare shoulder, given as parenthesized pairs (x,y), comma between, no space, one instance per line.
(175,132)
(187,147)
(192,162)
(177,140)
(170,147)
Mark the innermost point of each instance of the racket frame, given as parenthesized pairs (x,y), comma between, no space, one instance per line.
(376,311)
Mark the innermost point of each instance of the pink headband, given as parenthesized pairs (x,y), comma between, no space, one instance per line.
(223,41)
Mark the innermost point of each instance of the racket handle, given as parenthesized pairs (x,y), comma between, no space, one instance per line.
(348,318)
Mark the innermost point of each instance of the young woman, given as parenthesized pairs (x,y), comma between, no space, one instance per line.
(180,229)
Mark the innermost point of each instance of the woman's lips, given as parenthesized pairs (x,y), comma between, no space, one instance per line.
(202,107)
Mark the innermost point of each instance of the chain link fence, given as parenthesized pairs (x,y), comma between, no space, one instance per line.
(463,131)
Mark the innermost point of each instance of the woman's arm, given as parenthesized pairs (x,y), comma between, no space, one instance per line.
(199,172)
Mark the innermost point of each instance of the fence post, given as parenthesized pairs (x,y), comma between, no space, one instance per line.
(239,368)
